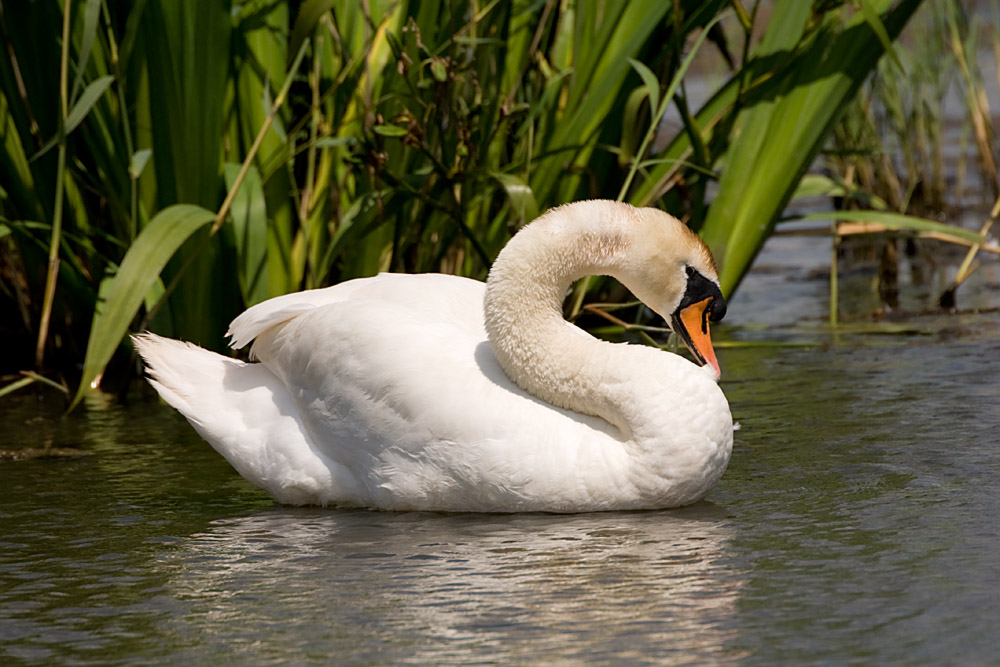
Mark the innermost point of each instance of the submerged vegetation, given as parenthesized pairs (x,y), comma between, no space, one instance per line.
(166,163)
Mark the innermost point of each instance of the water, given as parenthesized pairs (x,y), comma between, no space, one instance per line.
(858,522)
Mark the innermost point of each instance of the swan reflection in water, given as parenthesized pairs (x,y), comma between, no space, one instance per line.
(427,587)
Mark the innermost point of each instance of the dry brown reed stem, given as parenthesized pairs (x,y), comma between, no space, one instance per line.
(967,268)
(963,270)
(53,264)
(853,228)
(977,103)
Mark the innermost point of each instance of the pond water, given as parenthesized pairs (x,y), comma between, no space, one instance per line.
(858,523)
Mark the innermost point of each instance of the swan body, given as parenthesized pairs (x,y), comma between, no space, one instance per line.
(434,392)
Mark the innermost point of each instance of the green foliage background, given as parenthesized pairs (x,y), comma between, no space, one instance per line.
(166,163)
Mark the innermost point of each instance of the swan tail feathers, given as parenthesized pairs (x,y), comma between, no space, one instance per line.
(245,412)
(229,402)
(180,372)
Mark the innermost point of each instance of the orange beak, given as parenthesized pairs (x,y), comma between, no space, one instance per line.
(691,324)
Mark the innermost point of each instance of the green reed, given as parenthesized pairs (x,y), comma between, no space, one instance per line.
(413,137)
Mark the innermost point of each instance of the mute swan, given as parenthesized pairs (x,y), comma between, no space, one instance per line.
(433,392)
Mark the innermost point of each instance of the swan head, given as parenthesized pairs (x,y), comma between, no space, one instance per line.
(672,271)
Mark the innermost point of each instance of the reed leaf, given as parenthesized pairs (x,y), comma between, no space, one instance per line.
(522,199)
(603,50)
(80,109)
(145,259)
(306,21)
(778,135)
(250,229)
(15,385)
(416,137)
(875,22)
(91,15)
(900,222)
(186,108)
(260,60)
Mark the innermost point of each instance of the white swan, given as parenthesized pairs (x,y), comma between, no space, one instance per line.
(433,392)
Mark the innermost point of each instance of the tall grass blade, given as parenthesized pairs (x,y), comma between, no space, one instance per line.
(965,269)
(80,109)
(249,219)
(658,108)
(260,41)
(522,199)
(91,14)
(15,385)
(31,375)
(601,59)
(774,143)
(55,239)
(148,255)
(187,54)
(875,22)
(138,162)
(306,21)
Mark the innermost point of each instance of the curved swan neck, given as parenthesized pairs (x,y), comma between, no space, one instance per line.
(536,347)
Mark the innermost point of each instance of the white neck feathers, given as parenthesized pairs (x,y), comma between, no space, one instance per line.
(537,348)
